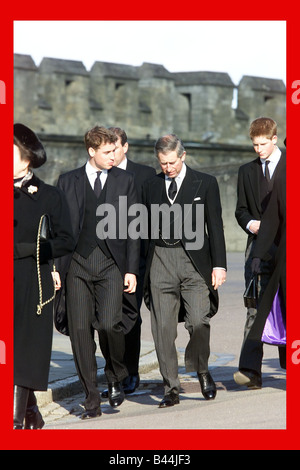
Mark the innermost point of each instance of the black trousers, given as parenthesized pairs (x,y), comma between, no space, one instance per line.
(252,351)
(133,337)
(94,303)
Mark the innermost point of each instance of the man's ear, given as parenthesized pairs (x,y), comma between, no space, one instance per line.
(91,151)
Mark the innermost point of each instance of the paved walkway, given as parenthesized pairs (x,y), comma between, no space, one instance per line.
(234,408)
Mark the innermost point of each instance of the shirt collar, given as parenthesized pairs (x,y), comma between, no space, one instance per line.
(90,170)
(123,164)
(180,175)
(274,157)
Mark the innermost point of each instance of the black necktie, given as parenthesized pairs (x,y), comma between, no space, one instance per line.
(172,189)
(97,185)
(267,173)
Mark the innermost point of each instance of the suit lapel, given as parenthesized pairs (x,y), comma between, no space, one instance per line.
(187,192)
(254,178)
(190,186)
(186,195)
(129,166)
(111,186)
(80,191)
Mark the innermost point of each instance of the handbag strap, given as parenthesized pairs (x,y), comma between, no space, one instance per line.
(41,303)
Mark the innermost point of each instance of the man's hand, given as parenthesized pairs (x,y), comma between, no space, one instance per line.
(218,277)
(130,283)
(254,227)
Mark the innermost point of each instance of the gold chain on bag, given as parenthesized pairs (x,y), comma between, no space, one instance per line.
(42,304)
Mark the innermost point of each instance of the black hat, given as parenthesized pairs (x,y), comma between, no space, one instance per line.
(31,142)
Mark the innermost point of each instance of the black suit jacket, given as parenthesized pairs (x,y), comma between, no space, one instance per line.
(141,173)
(197,188)
(248,193)
(125,252)
(273,227)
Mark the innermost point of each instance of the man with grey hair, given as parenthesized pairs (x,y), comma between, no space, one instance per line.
(180,274)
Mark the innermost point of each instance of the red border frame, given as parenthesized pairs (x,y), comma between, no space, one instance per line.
(151,439)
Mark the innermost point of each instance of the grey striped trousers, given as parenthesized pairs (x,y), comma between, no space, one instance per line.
(94,303)
(173,279)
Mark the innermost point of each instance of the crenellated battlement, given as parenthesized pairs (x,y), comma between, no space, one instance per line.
(62,97)
(61,100)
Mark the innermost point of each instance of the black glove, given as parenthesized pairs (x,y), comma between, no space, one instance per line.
(45,252)
(255,265)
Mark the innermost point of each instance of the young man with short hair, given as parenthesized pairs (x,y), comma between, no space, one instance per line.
(254,188)
(100,268)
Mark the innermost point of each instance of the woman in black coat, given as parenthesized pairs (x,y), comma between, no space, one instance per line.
(33,327)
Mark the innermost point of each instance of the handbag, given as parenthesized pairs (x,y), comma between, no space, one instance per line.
(45,230)
(250,294)
(44,234)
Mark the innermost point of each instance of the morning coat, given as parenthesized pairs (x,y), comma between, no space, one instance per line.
(125,252)
(197,188)
(273,226)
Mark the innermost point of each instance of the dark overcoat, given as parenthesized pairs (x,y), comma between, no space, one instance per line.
(125,251)
(273,225)
(249,193)
(32,332)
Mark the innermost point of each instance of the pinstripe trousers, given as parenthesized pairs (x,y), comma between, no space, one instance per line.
(173,279)
(94,303)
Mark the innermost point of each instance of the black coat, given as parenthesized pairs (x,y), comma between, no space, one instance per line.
(132,303)
(248,193)
(32,332)
(273,225)
(197,188)
(125,252)
(141,174)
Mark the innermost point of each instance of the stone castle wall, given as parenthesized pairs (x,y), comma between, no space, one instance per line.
(61,100)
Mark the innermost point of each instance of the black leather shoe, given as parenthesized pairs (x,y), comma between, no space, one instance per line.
(208,386)
(94,413)
(246,377)
(115,394)
(170,399)
(130,384)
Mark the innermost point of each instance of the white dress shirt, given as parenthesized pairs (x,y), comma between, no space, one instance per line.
(273,159)
(179,179)
(91,173)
